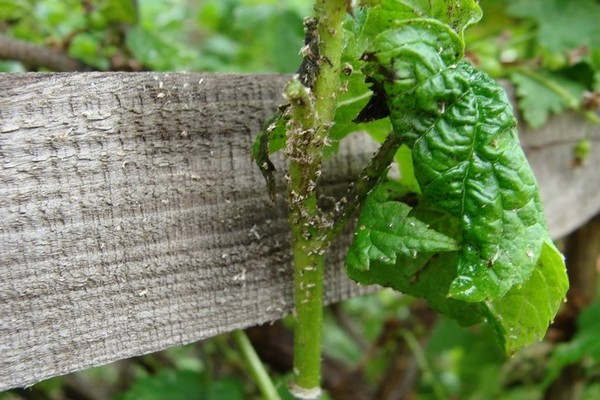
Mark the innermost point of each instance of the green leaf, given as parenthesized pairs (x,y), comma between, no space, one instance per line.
(562,25)
(385,231)
(14,9)
(381,254)
(582,150)
(353,97)
(350,103)
(118,11)
(466,154)
(183,385)
(155,50)
(469,357)
(228,388)
(407,177)
(273,35)
(524,313)
(458,14)
(387,14)
(87,48)
(542,94)
(428,277)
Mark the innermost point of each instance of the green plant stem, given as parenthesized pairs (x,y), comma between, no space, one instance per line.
(257,369)
(367,180)
(308,296)
(309,245)
(330,16)
(312,115)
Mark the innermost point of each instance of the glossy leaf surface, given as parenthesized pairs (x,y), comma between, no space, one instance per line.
(524,313)
(459,127)
(467,158)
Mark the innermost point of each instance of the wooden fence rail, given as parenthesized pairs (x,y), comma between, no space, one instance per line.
(132,218)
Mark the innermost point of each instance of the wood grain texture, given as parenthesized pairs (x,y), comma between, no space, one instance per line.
(570,191)
(134,220)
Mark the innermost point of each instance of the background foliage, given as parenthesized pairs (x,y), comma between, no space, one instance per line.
(382,345)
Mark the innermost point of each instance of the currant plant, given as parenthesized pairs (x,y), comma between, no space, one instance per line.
(463,227)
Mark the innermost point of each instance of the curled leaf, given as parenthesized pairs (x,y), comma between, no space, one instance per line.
(467,159)
(270,140)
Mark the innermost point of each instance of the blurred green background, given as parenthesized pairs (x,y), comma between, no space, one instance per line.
(382,346)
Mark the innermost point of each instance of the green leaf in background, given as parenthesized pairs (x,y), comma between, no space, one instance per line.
(595,63)
(43,19)
(14,9)
(541,94)
(387,14)
(154,51)
(562,25)
(104,13)
(227,388)
(86,47)
(117,11)
(385,231)
(524,313)
(467,361)
(585,344)
(466,154)
(271,27)
(183,385)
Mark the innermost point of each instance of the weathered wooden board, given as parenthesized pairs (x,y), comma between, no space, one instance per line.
(571,192)
(133,218)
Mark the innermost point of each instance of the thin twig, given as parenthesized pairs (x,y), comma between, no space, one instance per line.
(38,56)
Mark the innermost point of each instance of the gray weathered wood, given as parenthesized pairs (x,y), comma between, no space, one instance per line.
(133,218)
(571,192)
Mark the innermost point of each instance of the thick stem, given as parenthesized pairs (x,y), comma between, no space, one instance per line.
(330,15)
(312,115)
(309,266)
(310,240)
